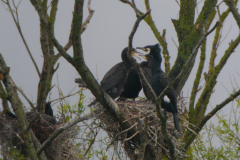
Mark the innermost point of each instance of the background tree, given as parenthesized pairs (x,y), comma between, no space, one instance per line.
(191,29)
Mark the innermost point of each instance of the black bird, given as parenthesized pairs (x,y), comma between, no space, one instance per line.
(114,80)
(133,85)
(159,82)
(32,114)
(48,109)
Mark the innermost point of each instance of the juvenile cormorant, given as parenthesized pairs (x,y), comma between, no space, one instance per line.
(114,80)
(159,82)
(132,86)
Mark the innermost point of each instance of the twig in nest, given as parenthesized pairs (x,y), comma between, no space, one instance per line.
(131,136)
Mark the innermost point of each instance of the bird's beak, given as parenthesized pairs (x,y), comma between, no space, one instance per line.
(143,56)
(142,48)
(134,52)
(134,55)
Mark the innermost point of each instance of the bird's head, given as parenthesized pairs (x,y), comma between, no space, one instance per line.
(125,52)
(153,50)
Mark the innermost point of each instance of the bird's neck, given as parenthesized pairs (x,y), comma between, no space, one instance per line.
(156,66)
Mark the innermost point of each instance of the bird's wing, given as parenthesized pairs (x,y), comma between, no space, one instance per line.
(113,76)
(147,72)
(163,80)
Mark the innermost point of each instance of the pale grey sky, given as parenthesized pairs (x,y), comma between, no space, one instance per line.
(105,37)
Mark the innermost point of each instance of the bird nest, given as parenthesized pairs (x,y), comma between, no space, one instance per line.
(42,126)
(138,114)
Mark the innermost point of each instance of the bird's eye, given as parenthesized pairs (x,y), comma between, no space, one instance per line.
(148,50)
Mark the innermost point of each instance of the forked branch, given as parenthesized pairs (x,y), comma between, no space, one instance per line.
(145,83)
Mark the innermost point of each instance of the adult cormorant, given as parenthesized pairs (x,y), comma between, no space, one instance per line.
(114,80)
(159,82)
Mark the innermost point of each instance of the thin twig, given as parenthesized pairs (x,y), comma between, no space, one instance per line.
(30,103)
(16,21)
(131,136)
(174,43)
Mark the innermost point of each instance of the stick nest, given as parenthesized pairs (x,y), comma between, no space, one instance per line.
(43,126)
(136,114)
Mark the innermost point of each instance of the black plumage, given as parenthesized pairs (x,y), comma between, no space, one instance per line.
(159,82)
(48,109)
(31,115)
(114,80)
(132,86)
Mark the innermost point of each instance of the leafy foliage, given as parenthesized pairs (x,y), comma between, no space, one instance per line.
(226,132)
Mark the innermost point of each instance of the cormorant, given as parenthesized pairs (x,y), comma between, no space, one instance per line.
(30,115)
(48,109)
(159,82)
(114,80)
(133,85)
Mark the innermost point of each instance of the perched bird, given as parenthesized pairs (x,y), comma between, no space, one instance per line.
(30,115)
(114,80)
(159,82)
(146,68)
(133,85)
(48,109)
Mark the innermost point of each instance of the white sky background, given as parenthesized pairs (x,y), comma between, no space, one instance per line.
(103,41)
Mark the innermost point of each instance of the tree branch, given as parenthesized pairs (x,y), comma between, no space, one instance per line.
(145,83)
(218,107)
(91,12)
(161,39)
(190,62)
(196,82)
(189,35)
(234,11)
(200,107)
(18,109)
(84,27)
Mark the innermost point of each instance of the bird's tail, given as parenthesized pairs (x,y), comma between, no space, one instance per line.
(176,122)
(92,103)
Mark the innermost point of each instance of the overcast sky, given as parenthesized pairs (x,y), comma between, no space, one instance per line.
(104,39)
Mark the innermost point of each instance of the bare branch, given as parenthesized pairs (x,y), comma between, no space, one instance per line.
(91,12)
(218,107)
(234,11)
(16,21)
